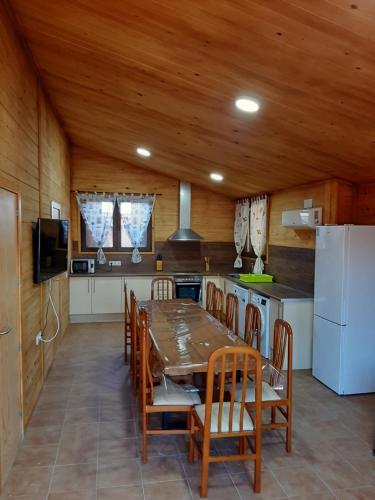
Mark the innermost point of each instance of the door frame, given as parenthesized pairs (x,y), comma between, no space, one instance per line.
(13,187)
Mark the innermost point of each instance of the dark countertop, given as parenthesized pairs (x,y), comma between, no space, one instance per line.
(120,274)
(273,290)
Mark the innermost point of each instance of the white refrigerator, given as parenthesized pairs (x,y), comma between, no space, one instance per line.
(344,308)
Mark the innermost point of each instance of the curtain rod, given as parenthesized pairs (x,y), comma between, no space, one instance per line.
(115,192)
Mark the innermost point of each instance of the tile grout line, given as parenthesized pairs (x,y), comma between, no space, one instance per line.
(277,481)
(59,444)
(98,450)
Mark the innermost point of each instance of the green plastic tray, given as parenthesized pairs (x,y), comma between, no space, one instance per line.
(256,278)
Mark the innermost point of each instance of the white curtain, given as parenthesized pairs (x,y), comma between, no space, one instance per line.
(97,212)
(258,231)
(241,229)
(135,215)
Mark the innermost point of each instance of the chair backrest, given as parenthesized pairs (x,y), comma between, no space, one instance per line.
(210,291)
(283,339)
(126,305)
(163,289)
(217,311)
(232,360)
(253,326)
(146,381)
(134,334)
(231,313)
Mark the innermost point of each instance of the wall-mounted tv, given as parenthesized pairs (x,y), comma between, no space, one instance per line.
(50,248)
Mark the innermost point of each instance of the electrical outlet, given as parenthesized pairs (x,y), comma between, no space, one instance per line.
(115,263)
(38,338)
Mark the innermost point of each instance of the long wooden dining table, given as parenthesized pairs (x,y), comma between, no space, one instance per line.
(184,335)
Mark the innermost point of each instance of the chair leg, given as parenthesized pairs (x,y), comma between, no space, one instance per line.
(144,438)
(204,474)
(257,475)
(289,431)
(191,439)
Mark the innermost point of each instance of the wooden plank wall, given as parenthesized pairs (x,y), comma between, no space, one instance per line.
(366,204)
(34,162)
(337,198)
(212,213)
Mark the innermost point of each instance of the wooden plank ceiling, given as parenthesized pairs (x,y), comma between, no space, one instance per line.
(165,74)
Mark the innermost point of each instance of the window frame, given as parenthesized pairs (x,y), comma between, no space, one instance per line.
(117,248)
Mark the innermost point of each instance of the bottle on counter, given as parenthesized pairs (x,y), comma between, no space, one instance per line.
(159,263)
(207,264)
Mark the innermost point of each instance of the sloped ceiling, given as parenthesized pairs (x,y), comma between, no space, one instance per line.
(165,74)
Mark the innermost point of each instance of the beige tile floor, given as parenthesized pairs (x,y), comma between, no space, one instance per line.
(82,442)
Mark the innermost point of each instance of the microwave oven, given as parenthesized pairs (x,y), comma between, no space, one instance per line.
(82,266)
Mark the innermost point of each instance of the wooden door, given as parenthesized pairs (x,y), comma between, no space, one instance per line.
(10,373)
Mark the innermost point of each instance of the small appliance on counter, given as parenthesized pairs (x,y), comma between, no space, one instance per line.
(159,263)
(82,266)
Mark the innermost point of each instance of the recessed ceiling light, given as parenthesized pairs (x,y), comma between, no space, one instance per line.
(247,104)
(216,177)
(143,152)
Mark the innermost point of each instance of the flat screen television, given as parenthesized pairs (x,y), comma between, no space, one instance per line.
(50,248)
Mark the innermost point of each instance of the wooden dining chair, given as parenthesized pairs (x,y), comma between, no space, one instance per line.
(163,289)
(231,313)
(272,395)
(168,397)
(226,418)
(127,325)
(253,326)
(210,292)
(217,311)
(134,350)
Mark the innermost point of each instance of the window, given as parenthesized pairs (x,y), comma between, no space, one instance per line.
(117,239)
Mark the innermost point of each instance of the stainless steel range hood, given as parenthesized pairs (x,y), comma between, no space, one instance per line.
(184,232)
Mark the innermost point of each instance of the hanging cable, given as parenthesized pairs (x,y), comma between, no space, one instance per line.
(50,301)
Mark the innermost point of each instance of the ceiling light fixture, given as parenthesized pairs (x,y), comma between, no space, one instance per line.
(216,177)
(143,152)
(247,104)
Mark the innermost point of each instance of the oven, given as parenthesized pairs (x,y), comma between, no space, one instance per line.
(189,287)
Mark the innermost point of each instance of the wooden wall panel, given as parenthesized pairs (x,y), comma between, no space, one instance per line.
(366,204)
(335,197)
(34,162)
(212,213)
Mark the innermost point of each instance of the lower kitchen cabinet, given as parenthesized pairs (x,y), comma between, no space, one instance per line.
(299,314)
(80,296)
(141,286)
(95,296)
(106,295)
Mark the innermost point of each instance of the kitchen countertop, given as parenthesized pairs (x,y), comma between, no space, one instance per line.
(273,290)
(101,274)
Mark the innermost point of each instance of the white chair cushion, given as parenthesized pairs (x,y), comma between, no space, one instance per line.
(247,422)
(169,393)
(268,394)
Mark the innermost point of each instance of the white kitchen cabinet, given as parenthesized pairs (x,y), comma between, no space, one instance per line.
(141,286)
(80,296)
(107,295)
(299,314)
(229,286)
(215,279)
